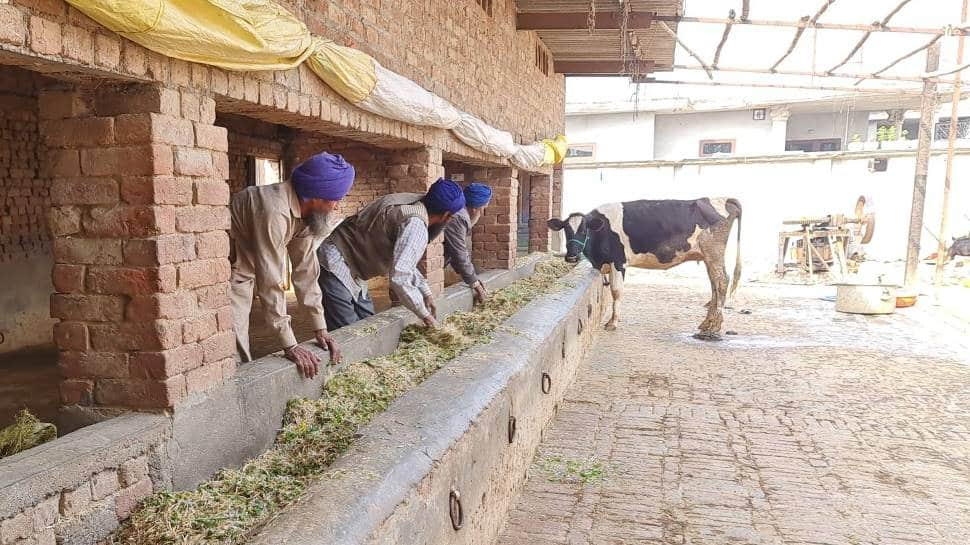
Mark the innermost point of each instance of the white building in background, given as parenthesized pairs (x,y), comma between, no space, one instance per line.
(676,129)
(821,153)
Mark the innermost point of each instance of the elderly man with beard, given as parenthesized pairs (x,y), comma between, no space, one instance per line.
(270,222)
(387,237)
(477,197)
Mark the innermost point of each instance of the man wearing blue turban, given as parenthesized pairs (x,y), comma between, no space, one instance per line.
(270,222)
(477,197)
(386,238)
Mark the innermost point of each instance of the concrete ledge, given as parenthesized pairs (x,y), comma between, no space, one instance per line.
(236,421)
(68,461)
(451,433)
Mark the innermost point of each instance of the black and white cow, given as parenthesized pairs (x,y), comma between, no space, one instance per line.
(657,235)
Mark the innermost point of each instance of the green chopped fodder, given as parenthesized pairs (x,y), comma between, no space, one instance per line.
(235,503)
(26,432)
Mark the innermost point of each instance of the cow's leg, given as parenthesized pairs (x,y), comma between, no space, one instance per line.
(616,289)
(712,244)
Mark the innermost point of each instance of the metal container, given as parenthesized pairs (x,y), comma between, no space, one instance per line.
(865,298)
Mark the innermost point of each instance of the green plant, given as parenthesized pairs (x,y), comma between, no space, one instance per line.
(856,138)
(566,470)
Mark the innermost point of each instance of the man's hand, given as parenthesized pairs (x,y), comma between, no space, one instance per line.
(430,322)
(431,306)
(305,361)
(480,293)
(325,340)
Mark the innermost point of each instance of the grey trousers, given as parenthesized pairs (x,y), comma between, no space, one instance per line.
(340,308)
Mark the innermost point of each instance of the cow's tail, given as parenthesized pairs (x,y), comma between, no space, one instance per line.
(733,207)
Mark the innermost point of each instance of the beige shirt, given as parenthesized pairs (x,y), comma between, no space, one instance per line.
(266,226)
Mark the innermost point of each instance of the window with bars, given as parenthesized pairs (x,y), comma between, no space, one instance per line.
(943,128)
(542,59)
(486,6)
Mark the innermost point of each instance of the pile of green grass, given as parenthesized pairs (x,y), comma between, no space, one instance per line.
(235,503)
(26,432)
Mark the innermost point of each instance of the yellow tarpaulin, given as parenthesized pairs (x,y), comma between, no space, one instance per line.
(248,35)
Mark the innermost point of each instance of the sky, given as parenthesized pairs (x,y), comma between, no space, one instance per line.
(760,47)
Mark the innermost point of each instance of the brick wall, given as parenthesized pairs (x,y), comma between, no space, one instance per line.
(24,194)
(25,240)
(139,218)
(453,48)
(249,137)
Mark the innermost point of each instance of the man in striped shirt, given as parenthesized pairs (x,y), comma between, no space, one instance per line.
(387,237)
(477,197)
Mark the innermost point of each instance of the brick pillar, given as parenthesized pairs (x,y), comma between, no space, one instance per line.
(540,208)
(556,241)
(139,217)
(494,237)
(415,170)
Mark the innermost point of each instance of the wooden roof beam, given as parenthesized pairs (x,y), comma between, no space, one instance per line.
(597,68)
(578,20)
(954,30)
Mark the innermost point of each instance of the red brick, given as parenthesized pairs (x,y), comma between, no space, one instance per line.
(224,319)
(161,250)
(200,76)
(68,278)
(140,394)
(77,392)
(156,190)
(107,50)
(190,106)
(64,220)
(131,160)
(138,99)
(128,499)
(211,137)
(81,132)
(220,165)
(71,336)
(167,363)
(134,59)
(62,104)
(153,128)
(219,346)
(93,364)
(166,306)
(213,297)
(62,163)
(207,111)
(78,44)
(130,221)
(13,31)
(45,36)
(200,328)
(128,280)
(195,274)
(87,251)
(193,162)
(212,244)
(157,335)
(87,308)
(220,82)
(159,67)
(203,378)
(75,191)
(194,219)
(211,192)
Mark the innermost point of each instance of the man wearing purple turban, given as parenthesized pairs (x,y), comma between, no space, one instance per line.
(270,222)
(387,237)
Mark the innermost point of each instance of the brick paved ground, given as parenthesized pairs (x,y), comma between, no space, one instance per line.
(808,428)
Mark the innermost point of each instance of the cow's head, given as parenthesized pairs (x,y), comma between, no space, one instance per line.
(579,230)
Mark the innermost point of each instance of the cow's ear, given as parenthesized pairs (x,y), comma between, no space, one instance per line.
(595,224)
(556,224)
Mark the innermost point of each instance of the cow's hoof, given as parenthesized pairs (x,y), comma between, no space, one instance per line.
(707,336)
(610,327)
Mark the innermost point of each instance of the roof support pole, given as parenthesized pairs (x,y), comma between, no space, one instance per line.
(911,277)
(954,125)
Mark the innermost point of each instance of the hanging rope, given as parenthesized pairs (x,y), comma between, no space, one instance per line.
(591,17)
